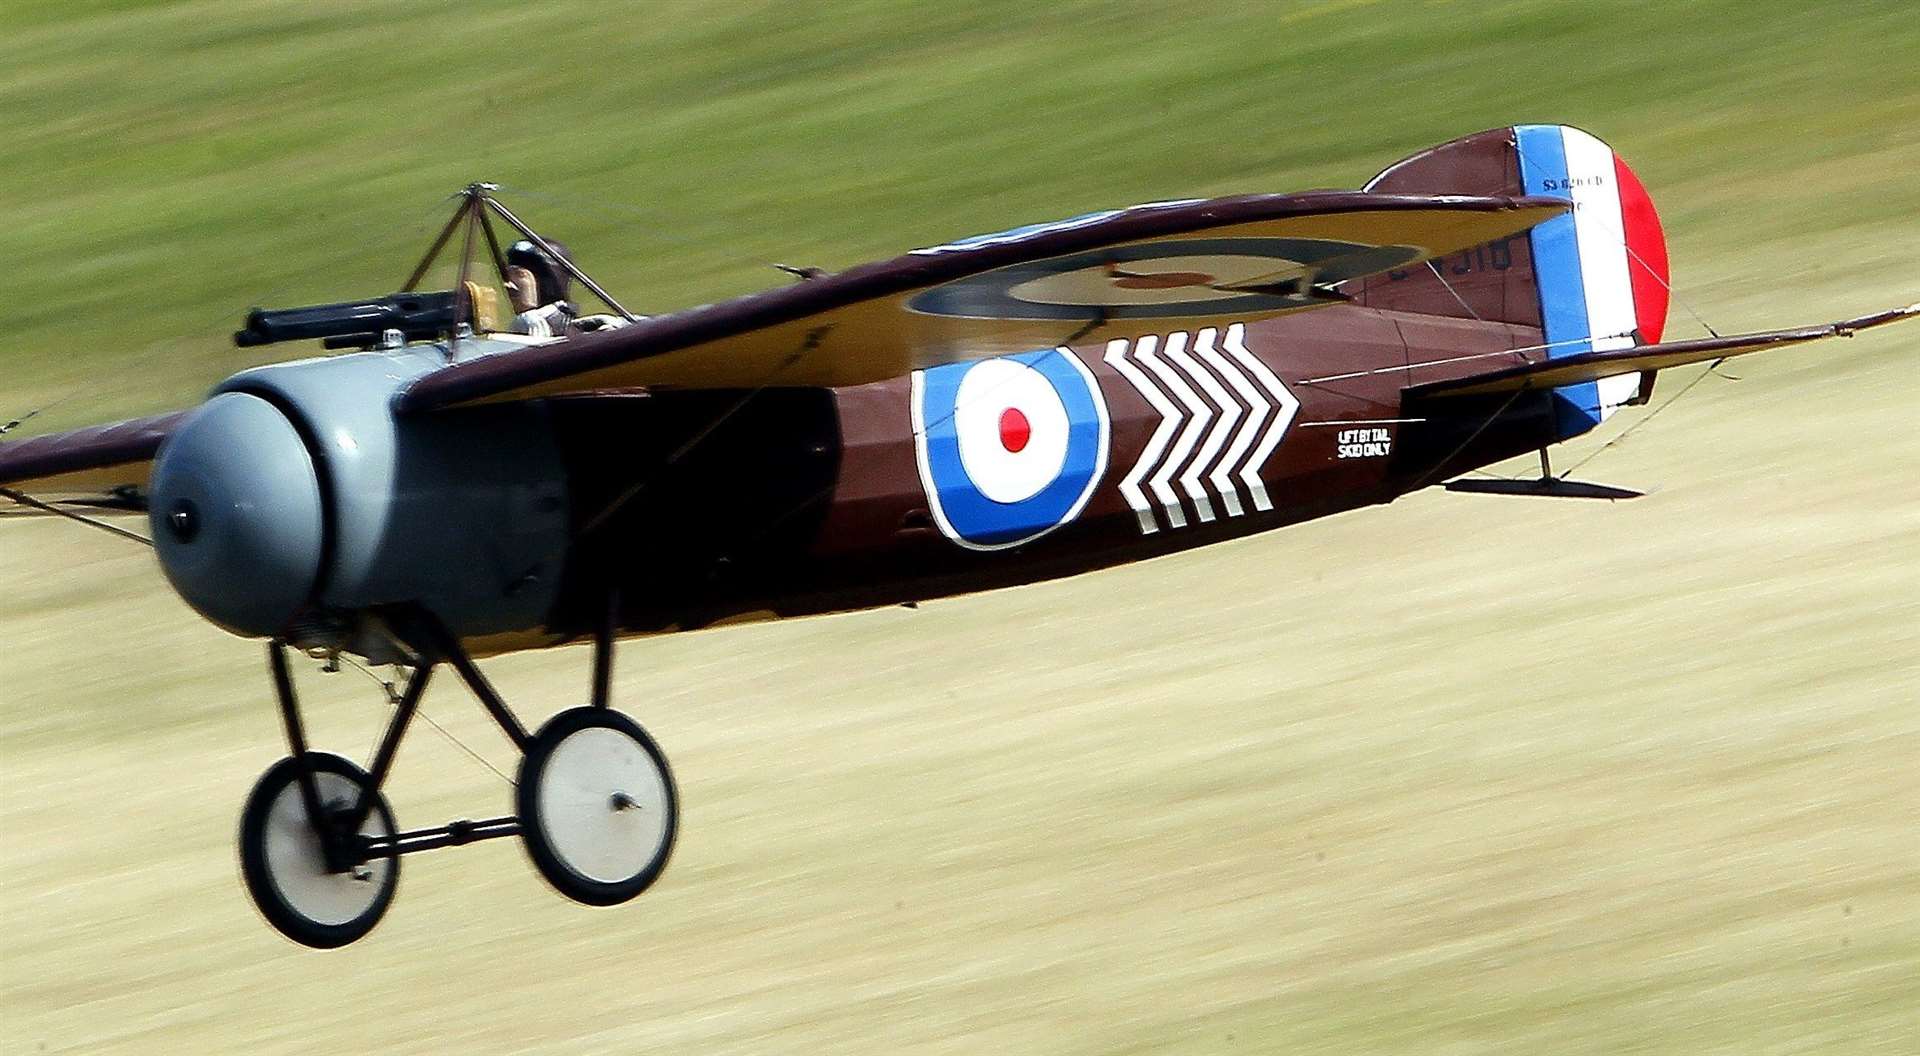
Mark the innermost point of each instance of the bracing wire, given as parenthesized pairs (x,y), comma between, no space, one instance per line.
(1651,415)
(1671,292)
(1640,262)
(46,507)
(812,342)
(1456,294)
(631,212)
(1433,471)
(1644,266)
(393,700)
(652,218)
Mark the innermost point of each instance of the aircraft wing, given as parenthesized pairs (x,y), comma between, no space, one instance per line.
(1171,265)
(1592,366)
(96,460)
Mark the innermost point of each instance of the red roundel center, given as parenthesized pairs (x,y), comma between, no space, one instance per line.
(1015,430)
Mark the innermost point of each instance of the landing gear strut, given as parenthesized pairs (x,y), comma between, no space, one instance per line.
(595,805)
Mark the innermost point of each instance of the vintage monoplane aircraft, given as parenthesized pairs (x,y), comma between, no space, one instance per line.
(993,411)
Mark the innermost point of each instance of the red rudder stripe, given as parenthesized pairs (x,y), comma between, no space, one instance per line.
(1646,254)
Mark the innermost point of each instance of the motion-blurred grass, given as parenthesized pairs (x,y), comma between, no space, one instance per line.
(1448,776)
(169,165)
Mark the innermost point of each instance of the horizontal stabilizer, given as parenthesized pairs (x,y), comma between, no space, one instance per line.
(1592,366)
(1550,487)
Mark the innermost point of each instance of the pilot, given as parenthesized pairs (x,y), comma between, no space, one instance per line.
(537,285)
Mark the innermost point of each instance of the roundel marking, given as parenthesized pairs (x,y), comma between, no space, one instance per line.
(997,394)
(1008,448)
(1160,280)
(1015,430)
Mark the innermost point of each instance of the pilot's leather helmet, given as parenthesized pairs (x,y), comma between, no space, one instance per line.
(553,279)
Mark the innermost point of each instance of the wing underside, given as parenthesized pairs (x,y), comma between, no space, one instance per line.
(1168,265)
(111,462)
(1593,366)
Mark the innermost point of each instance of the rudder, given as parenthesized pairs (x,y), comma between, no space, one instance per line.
(1593,279)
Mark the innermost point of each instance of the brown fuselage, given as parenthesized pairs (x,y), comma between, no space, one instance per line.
(806,500)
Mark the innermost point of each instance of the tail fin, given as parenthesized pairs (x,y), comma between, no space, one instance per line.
(1593,280)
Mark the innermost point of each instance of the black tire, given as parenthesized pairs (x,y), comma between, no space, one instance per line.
(586,843)
(280,856)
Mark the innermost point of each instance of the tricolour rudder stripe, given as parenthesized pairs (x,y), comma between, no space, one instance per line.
(1597,269)
(1646,254)
(1557,275)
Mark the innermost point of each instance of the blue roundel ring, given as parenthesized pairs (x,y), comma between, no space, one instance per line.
(1056,478)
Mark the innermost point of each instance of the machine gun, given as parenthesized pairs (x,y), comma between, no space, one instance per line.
(354,324)
(419,316)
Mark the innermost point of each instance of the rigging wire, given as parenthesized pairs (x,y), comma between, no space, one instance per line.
(1651,415)
(27,417)
(1648,268)
(673,458)
(584,203)
(393,700)
(652,218)
(1625,433)
(46,507)
(1671,292)
(1652,273)
(129,377)
(1433,471)
(633,212)
(655,229)
(812,342)
(1434,265)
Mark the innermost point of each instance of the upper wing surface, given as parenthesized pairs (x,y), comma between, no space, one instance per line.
(1172,264)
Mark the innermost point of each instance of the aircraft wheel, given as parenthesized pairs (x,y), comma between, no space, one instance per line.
(285,868)
(597,806)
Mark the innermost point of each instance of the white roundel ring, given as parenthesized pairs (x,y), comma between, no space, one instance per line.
(1008,448)
(1012,430)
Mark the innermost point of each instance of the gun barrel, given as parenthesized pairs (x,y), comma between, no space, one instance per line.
(410,313)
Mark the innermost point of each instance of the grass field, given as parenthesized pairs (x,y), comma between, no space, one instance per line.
(1566,778)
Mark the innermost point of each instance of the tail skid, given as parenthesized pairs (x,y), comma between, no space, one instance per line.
(1550,487)
(1546,485)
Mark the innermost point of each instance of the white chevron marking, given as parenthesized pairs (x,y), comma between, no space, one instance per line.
(1288,407)
(1190,480)
(1248,431)
(1229,414)
(1249,434)
(1200,415)
(1176,516)
(1116,357)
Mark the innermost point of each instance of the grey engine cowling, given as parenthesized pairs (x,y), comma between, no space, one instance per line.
(293,502)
